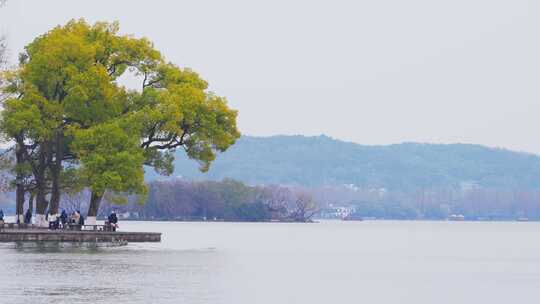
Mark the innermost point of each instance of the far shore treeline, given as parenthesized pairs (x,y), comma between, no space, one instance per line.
(230,200)
(227,200)
(72,126)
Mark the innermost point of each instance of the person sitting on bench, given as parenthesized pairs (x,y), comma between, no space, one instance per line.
(112,220)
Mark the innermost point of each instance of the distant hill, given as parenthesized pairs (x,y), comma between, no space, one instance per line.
(317,161)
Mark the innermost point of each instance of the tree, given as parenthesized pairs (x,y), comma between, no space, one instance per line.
(176,111)
(3,50)
(67,111)
(303,208)
(62,83)
(3,56)
(276,199)
(111,159)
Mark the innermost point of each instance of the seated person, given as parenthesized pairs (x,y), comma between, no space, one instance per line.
(54,221)
(112,220)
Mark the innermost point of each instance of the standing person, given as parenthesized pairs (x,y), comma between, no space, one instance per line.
(113,220)
(81,220)
(77,217)
(63,218)
(28,217)
(1,216)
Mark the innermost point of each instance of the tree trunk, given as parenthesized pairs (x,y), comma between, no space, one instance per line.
(41,206)
(55,192)
(19,193)
(19,202)
(56,168)
(41,192)
(31,202)
(95,201)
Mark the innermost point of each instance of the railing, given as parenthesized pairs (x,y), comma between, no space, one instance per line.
(106,227)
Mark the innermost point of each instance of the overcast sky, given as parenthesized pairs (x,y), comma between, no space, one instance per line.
(372,72)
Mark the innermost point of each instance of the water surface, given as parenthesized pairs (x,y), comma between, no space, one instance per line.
(327,262)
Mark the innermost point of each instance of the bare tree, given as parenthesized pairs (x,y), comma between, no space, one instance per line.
(276,199)
(3,49)
(2,42)
(303,208)
(3,57)
(3,63)
(73,201)
(6,166)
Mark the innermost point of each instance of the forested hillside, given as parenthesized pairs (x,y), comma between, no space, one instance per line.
(317,161)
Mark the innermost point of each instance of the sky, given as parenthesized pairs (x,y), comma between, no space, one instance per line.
(370,72)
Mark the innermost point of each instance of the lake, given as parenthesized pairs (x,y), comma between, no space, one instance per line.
(328,262)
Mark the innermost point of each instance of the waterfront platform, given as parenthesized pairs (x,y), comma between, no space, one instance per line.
(32,234)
